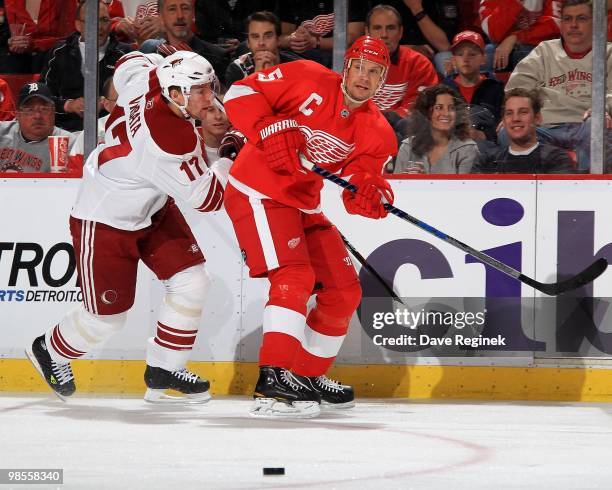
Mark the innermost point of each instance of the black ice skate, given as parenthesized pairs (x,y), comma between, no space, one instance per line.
(58,376)
(159,380)
(279,393)
(333,393)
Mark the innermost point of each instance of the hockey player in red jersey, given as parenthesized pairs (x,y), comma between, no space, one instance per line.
(125,213)
(274,205)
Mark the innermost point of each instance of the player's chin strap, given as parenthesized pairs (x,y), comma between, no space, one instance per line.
(181,108)
(351,100)
(355,101)
(217,102)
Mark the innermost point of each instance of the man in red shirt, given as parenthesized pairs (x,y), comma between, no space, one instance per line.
(409,72)
(274,205)
(35,29)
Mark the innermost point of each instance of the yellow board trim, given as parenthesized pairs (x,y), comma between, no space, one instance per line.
(416,382)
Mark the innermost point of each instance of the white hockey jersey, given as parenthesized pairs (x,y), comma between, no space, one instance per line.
(148,154)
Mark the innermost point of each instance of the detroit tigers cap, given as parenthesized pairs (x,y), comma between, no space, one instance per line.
(34,89)
(468,37)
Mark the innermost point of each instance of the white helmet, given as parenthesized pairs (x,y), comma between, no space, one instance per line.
(185,69)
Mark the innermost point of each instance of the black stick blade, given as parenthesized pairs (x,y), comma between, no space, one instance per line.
(589,274)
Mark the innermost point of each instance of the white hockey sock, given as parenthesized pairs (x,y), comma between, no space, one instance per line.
(179,319)
(79,332)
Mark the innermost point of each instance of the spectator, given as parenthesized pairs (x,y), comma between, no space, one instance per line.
(23,142)
(524,155)
(562,69)
(63,71)
(214,126)
(482,91)
(108,101)
(409,73)
(439,141)
(177,19)
(517,26)
(7,104)
(308,25)
(135,21)
(222,21)
(429,26)
(34,28)
(263,32)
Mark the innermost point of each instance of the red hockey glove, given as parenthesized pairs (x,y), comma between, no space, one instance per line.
(231,144)
(281,141)
(367,200)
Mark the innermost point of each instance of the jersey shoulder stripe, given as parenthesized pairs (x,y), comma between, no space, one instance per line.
(163,126)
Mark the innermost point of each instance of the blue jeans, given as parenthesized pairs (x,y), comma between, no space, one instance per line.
(573,136)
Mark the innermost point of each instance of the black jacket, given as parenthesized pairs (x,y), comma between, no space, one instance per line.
(62,74)
(545,159)
(443,13)
(216,18)
(485,108)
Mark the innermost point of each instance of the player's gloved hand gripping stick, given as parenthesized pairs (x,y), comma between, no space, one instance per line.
(589,274)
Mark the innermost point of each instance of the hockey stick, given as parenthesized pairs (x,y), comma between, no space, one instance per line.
(361,259)
(589,274)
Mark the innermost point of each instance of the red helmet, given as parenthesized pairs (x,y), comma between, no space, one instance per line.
(368,48)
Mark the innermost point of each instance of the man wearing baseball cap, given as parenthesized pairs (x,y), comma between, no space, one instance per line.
(23,142)
(481,90)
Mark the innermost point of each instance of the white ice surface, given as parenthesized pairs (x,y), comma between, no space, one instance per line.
(117,443)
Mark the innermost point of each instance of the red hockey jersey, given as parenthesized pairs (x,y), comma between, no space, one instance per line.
(407,77)
(55,21)
(532,21)
(341,141)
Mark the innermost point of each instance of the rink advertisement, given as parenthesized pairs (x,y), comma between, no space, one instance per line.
(454,306)
(455,309)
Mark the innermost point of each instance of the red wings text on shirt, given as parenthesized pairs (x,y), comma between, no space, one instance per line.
(412,73)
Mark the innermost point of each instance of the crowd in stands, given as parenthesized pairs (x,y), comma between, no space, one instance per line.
(475,86)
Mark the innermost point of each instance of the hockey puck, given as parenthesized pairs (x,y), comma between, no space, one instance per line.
(274,471)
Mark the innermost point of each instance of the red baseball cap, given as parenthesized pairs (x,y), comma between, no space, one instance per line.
(468,37)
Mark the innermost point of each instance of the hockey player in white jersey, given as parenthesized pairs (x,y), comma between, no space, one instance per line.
(125,212)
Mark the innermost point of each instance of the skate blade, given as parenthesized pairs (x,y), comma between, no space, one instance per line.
(161,397)
(337,406)
(273,409)
(32,358)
